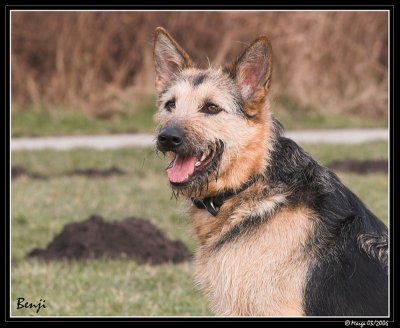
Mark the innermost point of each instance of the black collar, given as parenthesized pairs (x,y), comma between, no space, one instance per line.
(213,204)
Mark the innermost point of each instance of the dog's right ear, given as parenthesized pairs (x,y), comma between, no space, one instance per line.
(169,58)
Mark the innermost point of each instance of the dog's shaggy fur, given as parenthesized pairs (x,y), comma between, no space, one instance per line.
(278,233)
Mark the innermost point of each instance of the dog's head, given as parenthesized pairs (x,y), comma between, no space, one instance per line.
(214,123)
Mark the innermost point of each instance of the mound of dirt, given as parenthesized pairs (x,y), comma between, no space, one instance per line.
(132,238)
(97,173)
(362,167)
(19,171)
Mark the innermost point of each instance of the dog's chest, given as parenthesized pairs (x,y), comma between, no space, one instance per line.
(261,273)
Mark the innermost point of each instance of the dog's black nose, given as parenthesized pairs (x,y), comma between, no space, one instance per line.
(170,138)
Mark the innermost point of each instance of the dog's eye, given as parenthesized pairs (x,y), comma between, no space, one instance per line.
(210,108)
(170,105)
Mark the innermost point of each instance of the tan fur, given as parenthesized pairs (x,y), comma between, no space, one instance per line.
(250,160)
(249,146)
(167,45)
(210,229)
(262,274)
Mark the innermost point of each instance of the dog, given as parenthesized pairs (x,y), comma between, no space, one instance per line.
(278,234)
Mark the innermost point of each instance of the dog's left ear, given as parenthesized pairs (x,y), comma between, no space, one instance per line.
(169,58)
(253,70)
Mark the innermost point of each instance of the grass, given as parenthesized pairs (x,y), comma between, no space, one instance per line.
(107,288)
(133,117)
(328,153)
(296,117)
(40,209)
(35,122)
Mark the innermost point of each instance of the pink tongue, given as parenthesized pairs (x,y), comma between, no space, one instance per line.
(182,169)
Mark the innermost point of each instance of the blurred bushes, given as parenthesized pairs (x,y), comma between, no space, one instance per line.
(96,61)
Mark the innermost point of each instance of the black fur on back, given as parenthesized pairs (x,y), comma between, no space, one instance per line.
(348,272)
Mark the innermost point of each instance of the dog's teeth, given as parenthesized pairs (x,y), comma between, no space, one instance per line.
(197,163)
(203,157)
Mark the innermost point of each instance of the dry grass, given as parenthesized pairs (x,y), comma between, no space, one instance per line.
(94,61)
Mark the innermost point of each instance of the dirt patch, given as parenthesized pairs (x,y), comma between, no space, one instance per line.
(131,238)
(97,173)
(19,171)
(362,167)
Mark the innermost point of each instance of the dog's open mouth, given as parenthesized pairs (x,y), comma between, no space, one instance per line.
(185,169)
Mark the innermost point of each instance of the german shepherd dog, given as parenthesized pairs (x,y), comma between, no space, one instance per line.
(278,233)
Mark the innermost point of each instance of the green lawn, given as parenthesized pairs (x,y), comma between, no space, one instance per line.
(40,209)
(296,117)
(38,122)
(138,117)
